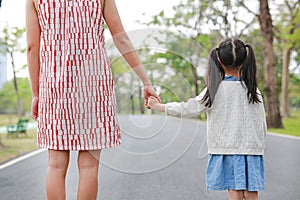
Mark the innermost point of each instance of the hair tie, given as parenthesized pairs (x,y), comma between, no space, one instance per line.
(217,49)
(246,45)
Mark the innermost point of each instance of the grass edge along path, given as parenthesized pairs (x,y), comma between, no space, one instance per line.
(291,125)
(15,147)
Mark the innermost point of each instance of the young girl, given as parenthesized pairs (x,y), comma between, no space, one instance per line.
(236,125)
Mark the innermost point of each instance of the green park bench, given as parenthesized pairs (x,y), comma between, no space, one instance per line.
(20,127)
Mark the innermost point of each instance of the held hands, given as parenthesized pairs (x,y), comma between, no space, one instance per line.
(154,104)
(152,101)
(148,92)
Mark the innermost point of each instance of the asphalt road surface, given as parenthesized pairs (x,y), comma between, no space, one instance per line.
(161,158)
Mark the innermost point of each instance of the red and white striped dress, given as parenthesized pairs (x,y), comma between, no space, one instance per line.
(77,105)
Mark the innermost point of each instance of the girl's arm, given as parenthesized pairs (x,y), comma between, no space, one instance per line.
(191,108)
(33,33)
(125,47)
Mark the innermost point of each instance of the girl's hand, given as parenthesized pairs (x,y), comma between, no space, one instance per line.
(152,101)
(154,104)
(35,107)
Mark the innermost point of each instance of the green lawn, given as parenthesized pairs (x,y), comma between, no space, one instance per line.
(11,119)
(16,146)
(8,120)
(291,125)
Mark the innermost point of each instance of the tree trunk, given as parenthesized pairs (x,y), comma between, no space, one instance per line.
(19,100)
(195,76)
(285,105)
(142,107)
(194,67)
(1,145)
(270,79)
(132,103)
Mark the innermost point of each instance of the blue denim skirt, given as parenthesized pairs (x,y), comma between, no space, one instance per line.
(235,172)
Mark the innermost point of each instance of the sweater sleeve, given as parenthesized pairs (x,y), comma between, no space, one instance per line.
(263,114)
(191,108)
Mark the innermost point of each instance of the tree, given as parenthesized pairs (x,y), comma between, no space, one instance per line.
(191,22)
(8,99)
(11,45)
(1,144)
(206,22)
(270,84)
(127,88)
(295,37)
(294,91)
(285,29)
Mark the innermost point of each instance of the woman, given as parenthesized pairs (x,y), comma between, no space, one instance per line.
(72,85)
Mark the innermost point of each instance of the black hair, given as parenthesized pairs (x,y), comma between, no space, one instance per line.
(232,53)
(215,74)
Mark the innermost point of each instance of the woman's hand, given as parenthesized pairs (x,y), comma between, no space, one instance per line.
(35,107)
(148,92)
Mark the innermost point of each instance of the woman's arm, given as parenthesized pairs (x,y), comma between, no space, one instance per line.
(33,33)
(125,46)
(122,40)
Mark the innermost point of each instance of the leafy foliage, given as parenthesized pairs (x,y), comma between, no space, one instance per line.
(11,44)
(8,99)
(11,39)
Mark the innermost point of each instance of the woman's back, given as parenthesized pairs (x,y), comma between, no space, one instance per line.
(76,99)
(72,36)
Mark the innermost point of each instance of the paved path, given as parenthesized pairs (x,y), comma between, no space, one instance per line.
(160,159)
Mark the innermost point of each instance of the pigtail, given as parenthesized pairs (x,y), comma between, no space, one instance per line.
(215,75)
(248,75)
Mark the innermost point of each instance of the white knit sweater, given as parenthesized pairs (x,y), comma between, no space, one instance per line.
(234,126)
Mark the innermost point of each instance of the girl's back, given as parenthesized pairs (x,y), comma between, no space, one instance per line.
(236,123)
(235,126)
